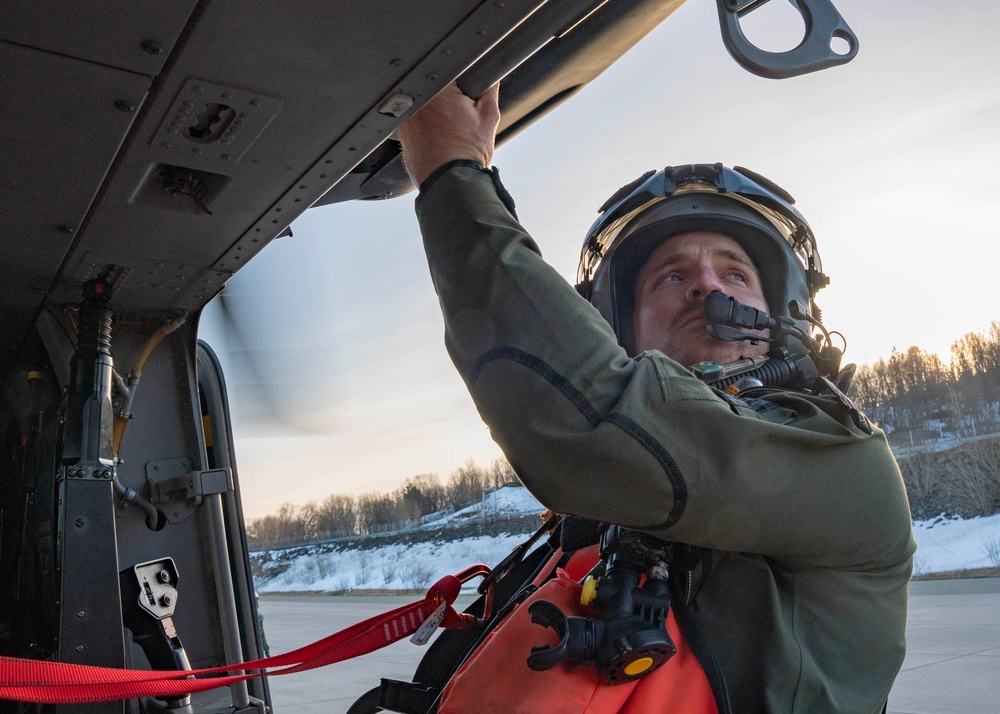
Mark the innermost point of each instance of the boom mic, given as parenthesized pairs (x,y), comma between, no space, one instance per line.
(721,309)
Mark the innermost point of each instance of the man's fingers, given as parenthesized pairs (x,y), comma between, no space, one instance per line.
(488,105)
(491,95)
(449,127)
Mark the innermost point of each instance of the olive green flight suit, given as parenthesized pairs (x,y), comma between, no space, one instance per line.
(803,587)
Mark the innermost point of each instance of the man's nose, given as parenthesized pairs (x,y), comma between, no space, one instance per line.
(702,282)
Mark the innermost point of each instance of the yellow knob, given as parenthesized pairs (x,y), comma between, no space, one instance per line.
(638,666)
(589,592)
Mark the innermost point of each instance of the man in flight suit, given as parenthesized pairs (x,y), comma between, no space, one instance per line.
(792,498)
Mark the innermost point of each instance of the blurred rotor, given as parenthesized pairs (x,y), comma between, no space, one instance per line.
(278,384)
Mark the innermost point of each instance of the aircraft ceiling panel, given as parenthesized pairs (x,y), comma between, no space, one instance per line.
(136,36)
(59,139)
(304,83)
(543,62)
(254,110)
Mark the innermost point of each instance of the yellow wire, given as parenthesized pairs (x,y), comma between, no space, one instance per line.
(140,363)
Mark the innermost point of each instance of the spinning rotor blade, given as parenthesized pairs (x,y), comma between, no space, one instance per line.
(275,387)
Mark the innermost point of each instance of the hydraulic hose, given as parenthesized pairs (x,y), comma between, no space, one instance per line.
(130,495)
(128,389)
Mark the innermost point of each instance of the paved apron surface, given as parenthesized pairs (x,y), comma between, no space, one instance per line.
(952,663)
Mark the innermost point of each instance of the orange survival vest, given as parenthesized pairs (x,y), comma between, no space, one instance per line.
(496,679)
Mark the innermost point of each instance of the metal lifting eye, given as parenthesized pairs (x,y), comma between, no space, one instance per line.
(824,28)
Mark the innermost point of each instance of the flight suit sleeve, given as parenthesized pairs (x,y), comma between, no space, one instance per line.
(641,442)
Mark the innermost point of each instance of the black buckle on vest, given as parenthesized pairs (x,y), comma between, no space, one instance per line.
(406,697)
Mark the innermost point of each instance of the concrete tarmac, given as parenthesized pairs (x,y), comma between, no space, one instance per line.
(293,621)
(952,664)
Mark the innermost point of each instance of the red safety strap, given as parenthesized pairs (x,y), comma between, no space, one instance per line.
(45,682)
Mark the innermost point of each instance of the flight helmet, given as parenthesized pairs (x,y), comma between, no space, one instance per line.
(750,209)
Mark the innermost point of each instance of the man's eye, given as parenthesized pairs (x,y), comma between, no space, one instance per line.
(739,277)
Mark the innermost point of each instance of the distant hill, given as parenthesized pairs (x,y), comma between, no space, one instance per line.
(413,560)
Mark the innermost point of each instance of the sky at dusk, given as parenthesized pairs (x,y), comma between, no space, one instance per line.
(890,158)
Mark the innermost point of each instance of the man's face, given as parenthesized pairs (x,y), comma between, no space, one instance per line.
(672,285)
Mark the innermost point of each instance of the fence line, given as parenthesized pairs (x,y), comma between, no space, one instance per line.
(900,451)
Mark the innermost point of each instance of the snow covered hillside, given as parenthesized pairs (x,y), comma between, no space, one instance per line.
(942,544)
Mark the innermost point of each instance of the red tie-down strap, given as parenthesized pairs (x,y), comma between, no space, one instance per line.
(45,682)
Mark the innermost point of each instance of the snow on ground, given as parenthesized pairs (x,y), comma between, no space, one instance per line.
(409,567)
(942,544)
(396,567)
(956,544)
(501,502)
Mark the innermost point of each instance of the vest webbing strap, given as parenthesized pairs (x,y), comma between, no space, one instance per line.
(46,682)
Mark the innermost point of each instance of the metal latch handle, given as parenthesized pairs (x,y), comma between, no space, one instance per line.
(823,23)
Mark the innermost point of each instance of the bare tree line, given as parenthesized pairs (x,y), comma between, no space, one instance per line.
(963,481)
(339,515)
(917,398)
(921,402)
